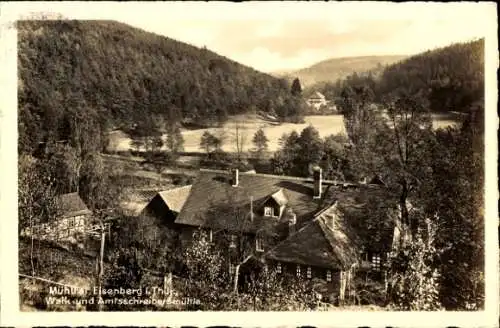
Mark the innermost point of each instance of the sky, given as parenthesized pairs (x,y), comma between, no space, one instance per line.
(277,36)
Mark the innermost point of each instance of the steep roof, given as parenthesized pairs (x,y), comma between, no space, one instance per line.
(320,243)
(214,202)
(317,95)
(175,198)
(280,198)
(213,195)
(71,205)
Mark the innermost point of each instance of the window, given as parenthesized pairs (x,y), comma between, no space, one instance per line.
(278,268)
(268,211)
(309,272)
(71,222)
(231,269)
(376,262)
(210,235)
(232,241)
(328,275)
(298,270)
(259,247)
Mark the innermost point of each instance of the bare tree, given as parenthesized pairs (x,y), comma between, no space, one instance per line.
(236,228)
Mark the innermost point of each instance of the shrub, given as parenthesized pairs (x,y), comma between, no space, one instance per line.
(415,280)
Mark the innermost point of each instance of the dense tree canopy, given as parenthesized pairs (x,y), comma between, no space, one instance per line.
(451,78)
(109,74)
(436,175)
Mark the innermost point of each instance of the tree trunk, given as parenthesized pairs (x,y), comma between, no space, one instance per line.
(31,248)
(402,203)
(406,232)
(235,278)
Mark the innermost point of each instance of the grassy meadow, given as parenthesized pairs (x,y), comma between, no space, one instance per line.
(248,125)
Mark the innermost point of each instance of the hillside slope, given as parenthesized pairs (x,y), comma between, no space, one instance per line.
(110,74)
(333,69)
(450,78)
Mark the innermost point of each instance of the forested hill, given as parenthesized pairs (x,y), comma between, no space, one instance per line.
(115,75)
(451,78)
(333,69)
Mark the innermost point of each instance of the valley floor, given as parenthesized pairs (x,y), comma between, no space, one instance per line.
(325,124)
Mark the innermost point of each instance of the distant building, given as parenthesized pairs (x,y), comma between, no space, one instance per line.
(317,100)
(74,218)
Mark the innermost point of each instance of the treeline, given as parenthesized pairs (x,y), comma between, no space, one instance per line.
(434,179)
(113,75)
(450,78)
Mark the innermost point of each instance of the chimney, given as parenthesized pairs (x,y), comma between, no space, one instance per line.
(235,177)
(317,172)
(291,223)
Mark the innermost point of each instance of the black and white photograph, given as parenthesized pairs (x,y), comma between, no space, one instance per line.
(249,157)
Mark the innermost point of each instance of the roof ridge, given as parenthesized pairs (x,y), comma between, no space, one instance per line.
(196,180)
(69,193)
(167,190)
(283,177)
(324,209)
(324,229)
(308,224)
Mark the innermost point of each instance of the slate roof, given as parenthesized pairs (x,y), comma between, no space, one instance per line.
(71,205)
(214,202)
(319,243)
(175,198)
(213,195)
(145,194)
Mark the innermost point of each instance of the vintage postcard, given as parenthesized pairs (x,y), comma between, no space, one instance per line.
(263,164)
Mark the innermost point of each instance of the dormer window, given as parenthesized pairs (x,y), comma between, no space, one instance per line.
(232,241)
(298,270)
(309,272)
(268,211)
(259,246)
(275,204)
